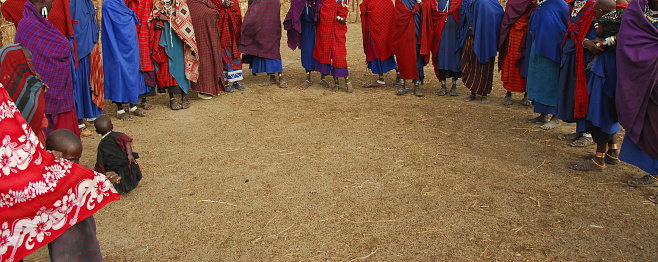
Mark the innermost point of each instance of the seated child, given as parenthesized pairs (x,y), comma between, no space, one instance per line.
(115,154)
(79,242)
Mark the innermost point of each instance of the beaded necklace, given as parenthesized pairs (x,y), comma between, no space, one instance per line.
(540,2)
(650,13)
(611,15)
(577,6)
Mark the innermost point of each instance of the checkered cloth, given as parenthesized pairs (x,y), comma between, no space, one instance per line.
(379,14)
(143,11)
(330,40)
(51,57)
(230,18)
(578,32)
(432,24)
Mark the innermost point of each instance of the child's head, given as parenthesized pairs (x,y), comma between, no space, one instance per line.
(103,124)
(65,141)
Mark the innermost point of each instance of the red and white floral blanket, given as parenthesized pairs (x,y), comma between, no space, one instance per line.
(40,197)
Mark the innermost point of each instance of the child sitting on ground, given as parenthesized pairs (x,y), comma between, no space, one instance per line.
(79,242)
(115,154)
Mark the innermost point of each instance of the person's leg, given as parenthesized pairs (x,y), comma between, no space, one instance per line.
(137,111)
(282,83)
(336,85)
(403,88)
(543,118)
(348,84)
(307,82)
(121,112)
(323,81)
(444,89)
(173,104)
(551,124)
(525,101)
(470,98)
(597,163)
(77,243)
(508,99)
(417,91)
(453,90)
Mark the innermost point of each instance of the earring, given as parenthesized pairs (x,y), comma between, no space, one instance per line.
(44,12)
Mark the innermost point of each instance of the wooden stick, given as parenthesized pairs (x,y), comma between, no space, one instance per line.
(542,163)
(622,255)
(364,257)
(368,221)
(485,250)
(538,204)
(218,202)
(555,256)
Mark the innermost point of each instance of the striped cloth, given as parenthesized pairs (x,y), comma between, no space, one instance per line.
(477,77)
(96,77)
(510,74)
(51,57)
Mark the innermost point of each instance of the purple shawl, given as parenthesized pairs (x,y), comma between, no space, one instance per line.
(293,24)
(513,11)
(637,58)
(261,29)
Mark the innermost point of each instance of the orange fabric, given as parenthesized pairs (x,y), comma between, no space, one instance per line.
(510,75)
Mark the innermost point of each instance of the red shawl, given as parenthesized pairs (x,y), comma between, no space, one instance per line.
(330,39)
(143,11)
(97,76)
(578,32)
(404,36)
(229,18)
(431,29)
(379,14)
(40,197)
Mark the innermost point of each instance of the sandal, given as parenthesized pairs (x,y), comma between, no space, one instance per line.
(85,132)
(324,83)
(587,166)
(185,104)
(645,181)
(139,112)
(654,198)
(611,160)
(374,85)
(146,105)
(582,141)
(570,137)
(173,104)
(124,116)
(305,84)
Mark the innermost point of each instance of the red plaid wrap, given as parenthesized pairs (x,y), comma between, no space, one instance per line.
(404,39)
(331,39)
(143,11)
(578,32)
(229,18)
(379,14)
(431,29)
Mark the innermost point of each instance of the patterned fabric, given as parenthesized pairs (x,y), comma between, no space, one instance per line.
(40,197)
(143,11)
(478,77)
(204,19)
(330,40)
(261,30)
(232,65)
(182,25)
(78,243)
(378,15)
(404,39)
(24,86)
(514,10)
(434,20)
(510,73)
(96,78)
(293,21)
(164,78)
(51,57)
(578,31)
(230,23)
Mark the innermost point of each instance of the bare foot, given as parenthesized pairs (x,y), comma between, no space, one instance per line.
(443,91)
(551,124)
(525,101)
(349,87)
(541,119)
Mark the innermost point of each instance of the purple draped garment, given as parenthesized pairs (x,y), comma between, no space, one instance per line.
(637,60)
(293,24)
(261,29)
(513,11)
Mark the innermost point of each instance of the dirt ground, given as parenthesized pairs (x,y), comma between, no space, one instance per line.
(272,174)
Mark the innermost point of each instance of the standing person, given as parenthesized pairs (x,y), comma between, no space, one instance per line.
(260,40)
(601,120)
(547,29)
(637,90)
(330,50)
(406,38)
(377,43)
(205,20)
(86,38)
(124,83)
(577,53)
(480,32)
(511,48)
(301,25)
(143,9)
(52,60)
(440,30)
(168,51)
(230,23)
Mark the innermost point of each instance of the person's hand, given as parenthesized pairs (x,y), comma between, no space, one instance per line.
(58,155)
(341,20)
(228,4)
(113,177)
(591,47)
(158,26)
(131,159)
(162,17)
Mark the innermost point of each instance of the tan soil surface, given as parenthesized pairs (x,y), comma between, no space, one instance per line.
(272,174)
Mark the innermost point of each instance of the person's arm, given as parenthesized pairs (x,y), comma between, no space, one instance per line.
(129,151)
